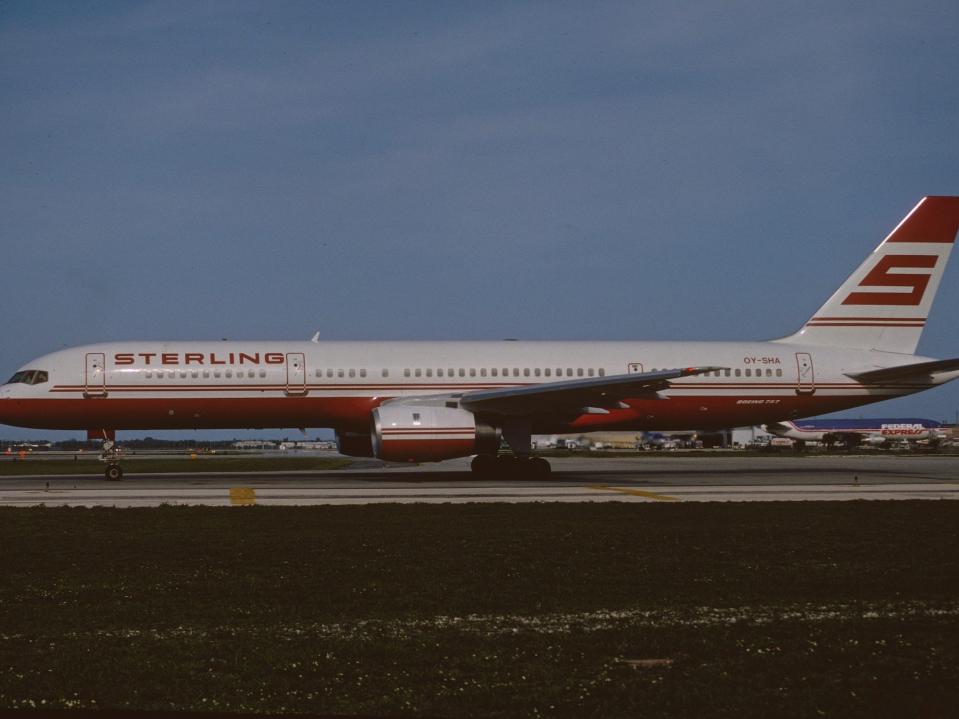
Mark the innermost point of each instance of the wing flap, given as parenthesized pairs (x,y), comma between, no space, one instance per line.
(573,395)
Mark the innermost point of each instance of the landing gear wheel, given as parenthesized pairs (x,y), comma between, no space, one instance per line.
(508,466)
(114,472)
(483,465)
(539,468)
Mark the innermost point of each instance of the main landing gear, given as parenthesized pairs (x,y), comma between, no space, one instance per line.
(517,431)
(506,466)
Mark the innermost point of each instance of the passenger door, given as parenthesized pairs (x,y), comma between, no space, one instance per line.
(95,375)
(295,373)
(806,374)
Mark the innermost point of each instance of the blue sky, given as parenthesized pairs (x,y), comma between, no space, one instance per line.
(594,170)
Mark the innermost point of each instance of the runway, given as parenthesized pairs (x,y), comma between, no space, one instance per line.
(641,479)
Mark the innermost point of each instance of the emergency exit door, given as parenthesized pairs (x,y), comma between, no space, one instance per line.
(95,375)
(295,373)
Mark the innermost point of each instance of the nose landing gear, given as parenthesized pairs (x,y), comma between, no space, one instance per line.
(111,455)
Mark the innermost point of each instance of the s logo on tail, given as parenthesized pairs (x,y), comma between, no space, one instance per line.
(880,276)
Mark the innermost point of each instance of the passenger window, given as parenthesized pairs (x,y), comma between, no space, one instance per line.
(749,372)
(206,373)
(352,373)
(384,372)
(319,373)
(526,371)
(429,372)
(406,373)
(229,373)
(450,372)
(569,371)
(590,372)
(418,372)
(579,371)
(494,372)
(769,373)
(726,372)
(739,373)
(482,372)
(148,374)
(216,373)
(262,373)
(439,372)
(548,372)
(362,373)
(779,373)
(516,371)
(602,372)
(340,373)
(472,372)
(462,372)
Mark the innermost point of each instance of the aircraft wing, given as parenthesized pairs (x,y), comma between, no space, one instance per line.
(573,396)
(918,371)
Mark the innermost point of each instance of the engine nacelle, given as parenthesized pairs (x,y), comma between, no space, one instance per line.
(415,433)
(354,444)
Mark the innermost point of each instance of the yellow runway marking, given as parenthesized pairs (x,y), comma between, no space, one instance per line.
(242,496)
(635,492)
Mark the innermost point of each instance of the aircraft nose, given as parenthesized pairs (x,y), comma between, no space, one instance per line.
(4,404)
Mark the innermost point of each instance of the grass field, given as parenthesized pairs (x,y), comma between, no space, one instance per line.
(163,465)
(607,610)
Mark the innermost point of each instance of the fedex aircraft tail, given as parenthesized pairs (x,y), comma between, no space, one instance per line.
(884,304)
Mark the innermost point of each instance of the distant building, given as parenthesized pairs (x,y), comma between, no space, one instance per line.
(254,444)
(317,445)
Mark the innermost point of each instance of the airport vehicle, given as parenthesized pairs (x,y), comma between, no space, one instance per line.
(428,401)
(853,432)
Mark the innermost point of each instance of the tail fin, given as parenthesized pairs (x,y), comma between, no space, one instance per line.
(884,304)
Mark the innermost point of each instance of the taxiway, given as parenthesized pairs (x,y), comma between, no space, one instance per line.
(642,479)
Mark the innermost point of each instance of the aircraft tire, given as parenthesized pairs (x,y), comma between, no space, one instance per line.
(539,468)
(509,467)
(484,465)
(113,472)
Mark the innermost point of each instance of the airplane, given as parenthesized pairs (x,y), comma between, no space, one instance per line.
(853,432)
(430,401)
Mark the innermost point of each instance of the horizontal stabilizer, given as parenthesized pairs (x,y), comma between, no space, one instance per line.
(920,370)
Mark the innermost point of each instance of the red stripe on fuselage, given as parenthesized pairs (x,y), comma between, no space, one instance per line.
(352,413)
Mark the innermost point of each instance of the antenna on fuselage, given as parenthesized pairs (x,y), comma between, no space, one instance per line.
(315,338)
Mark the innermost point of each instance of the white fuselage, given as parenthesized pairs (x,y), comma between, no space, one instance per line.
(186,385)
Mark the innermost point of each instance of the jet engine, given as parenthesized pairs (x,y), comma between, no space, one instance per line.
(417,433)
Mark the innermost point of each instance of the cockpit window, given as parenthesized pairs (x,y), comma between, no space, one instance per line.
(29,376)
